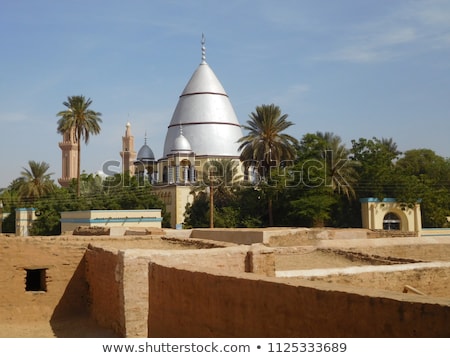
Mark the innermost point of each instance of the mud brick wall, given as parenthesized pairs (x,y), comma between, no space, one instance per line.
(208,304)
(118,280)
(66,290)
(135,293)
(104,274)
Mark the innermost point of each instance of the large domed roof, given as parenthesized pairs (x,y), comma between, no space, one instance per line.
(204,110)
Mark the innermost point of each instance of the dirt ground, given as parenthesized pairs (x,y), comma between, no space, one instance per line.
(75,327)
(313,258)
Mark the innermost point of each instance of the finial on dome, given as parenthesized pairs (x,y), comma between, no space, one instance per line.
(145,138)
(181,128)
(203,49)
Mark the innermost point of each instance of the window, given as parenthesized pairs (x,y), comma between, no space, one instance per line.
(36,280)
(391,222)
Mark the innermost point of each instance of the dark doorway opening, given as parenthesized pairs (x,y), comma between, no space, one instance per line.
(391,222)
(36,279)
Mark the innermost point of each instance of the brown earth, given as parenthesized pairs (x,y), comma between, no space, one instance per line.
(75,327)
(312,258)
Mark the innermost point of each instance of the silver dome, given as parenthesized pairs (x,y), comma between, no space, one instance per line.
(209,122)
(145,154)
(181,144)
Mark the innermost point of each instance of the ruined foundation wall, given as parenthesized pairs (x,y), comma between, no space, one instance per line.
(118,281)
(248,305)
(433,282)
(279,236)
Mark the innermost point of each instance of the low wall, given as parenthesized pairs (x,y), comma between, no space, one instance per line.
(431,278)
(253,306)
(436,232)
(237,236)
(118,280)
(278,236)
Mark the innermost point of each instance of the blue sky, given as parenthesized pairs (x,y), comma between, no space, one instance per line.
(357,68)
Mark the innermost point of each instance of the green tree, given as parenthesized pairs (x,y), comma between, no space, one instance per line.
(48,211)
(313,206)
(425,176)
(309,197)
(223,175)
(376,172)
(35,181)
(197,214)
(83,121)
(327,148)
(265,146)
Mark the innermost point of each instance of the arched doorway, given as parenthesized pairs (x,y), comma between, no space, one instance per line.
(391,221)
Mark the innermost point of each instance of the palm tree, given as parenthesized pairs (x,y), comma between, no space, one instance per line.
(226,172)
(82,120)
(391,146)
(222,176)
(265,145)
(340,170)
(35,181)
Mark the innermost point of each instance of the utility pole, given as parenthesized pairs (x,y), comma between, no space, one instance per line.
(211,201)
(1,216)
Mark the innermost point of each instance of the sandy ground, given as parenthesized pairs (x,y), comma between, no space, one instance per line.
(76,327)
(313,258)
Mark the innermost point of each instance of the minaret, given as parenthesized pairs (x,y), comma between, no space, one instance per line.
(69,148)
(128,154)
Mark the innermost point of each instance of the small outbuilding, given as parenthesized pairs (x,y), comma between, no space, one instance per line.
(118,221)
(388,214)
(24,220)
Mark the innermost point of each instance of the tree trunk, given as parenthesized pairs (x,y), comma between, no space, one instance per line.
(269,207)
(79,165)
(211,202)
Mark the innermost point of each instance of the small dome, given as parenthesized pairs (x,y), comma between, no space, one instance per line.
(181,144)
(145,154)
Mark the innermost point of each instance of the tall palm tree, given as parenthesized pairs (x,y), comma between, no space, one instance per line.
(35,181)
(82,120)
(226,172)
(265,145)
(340,170)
